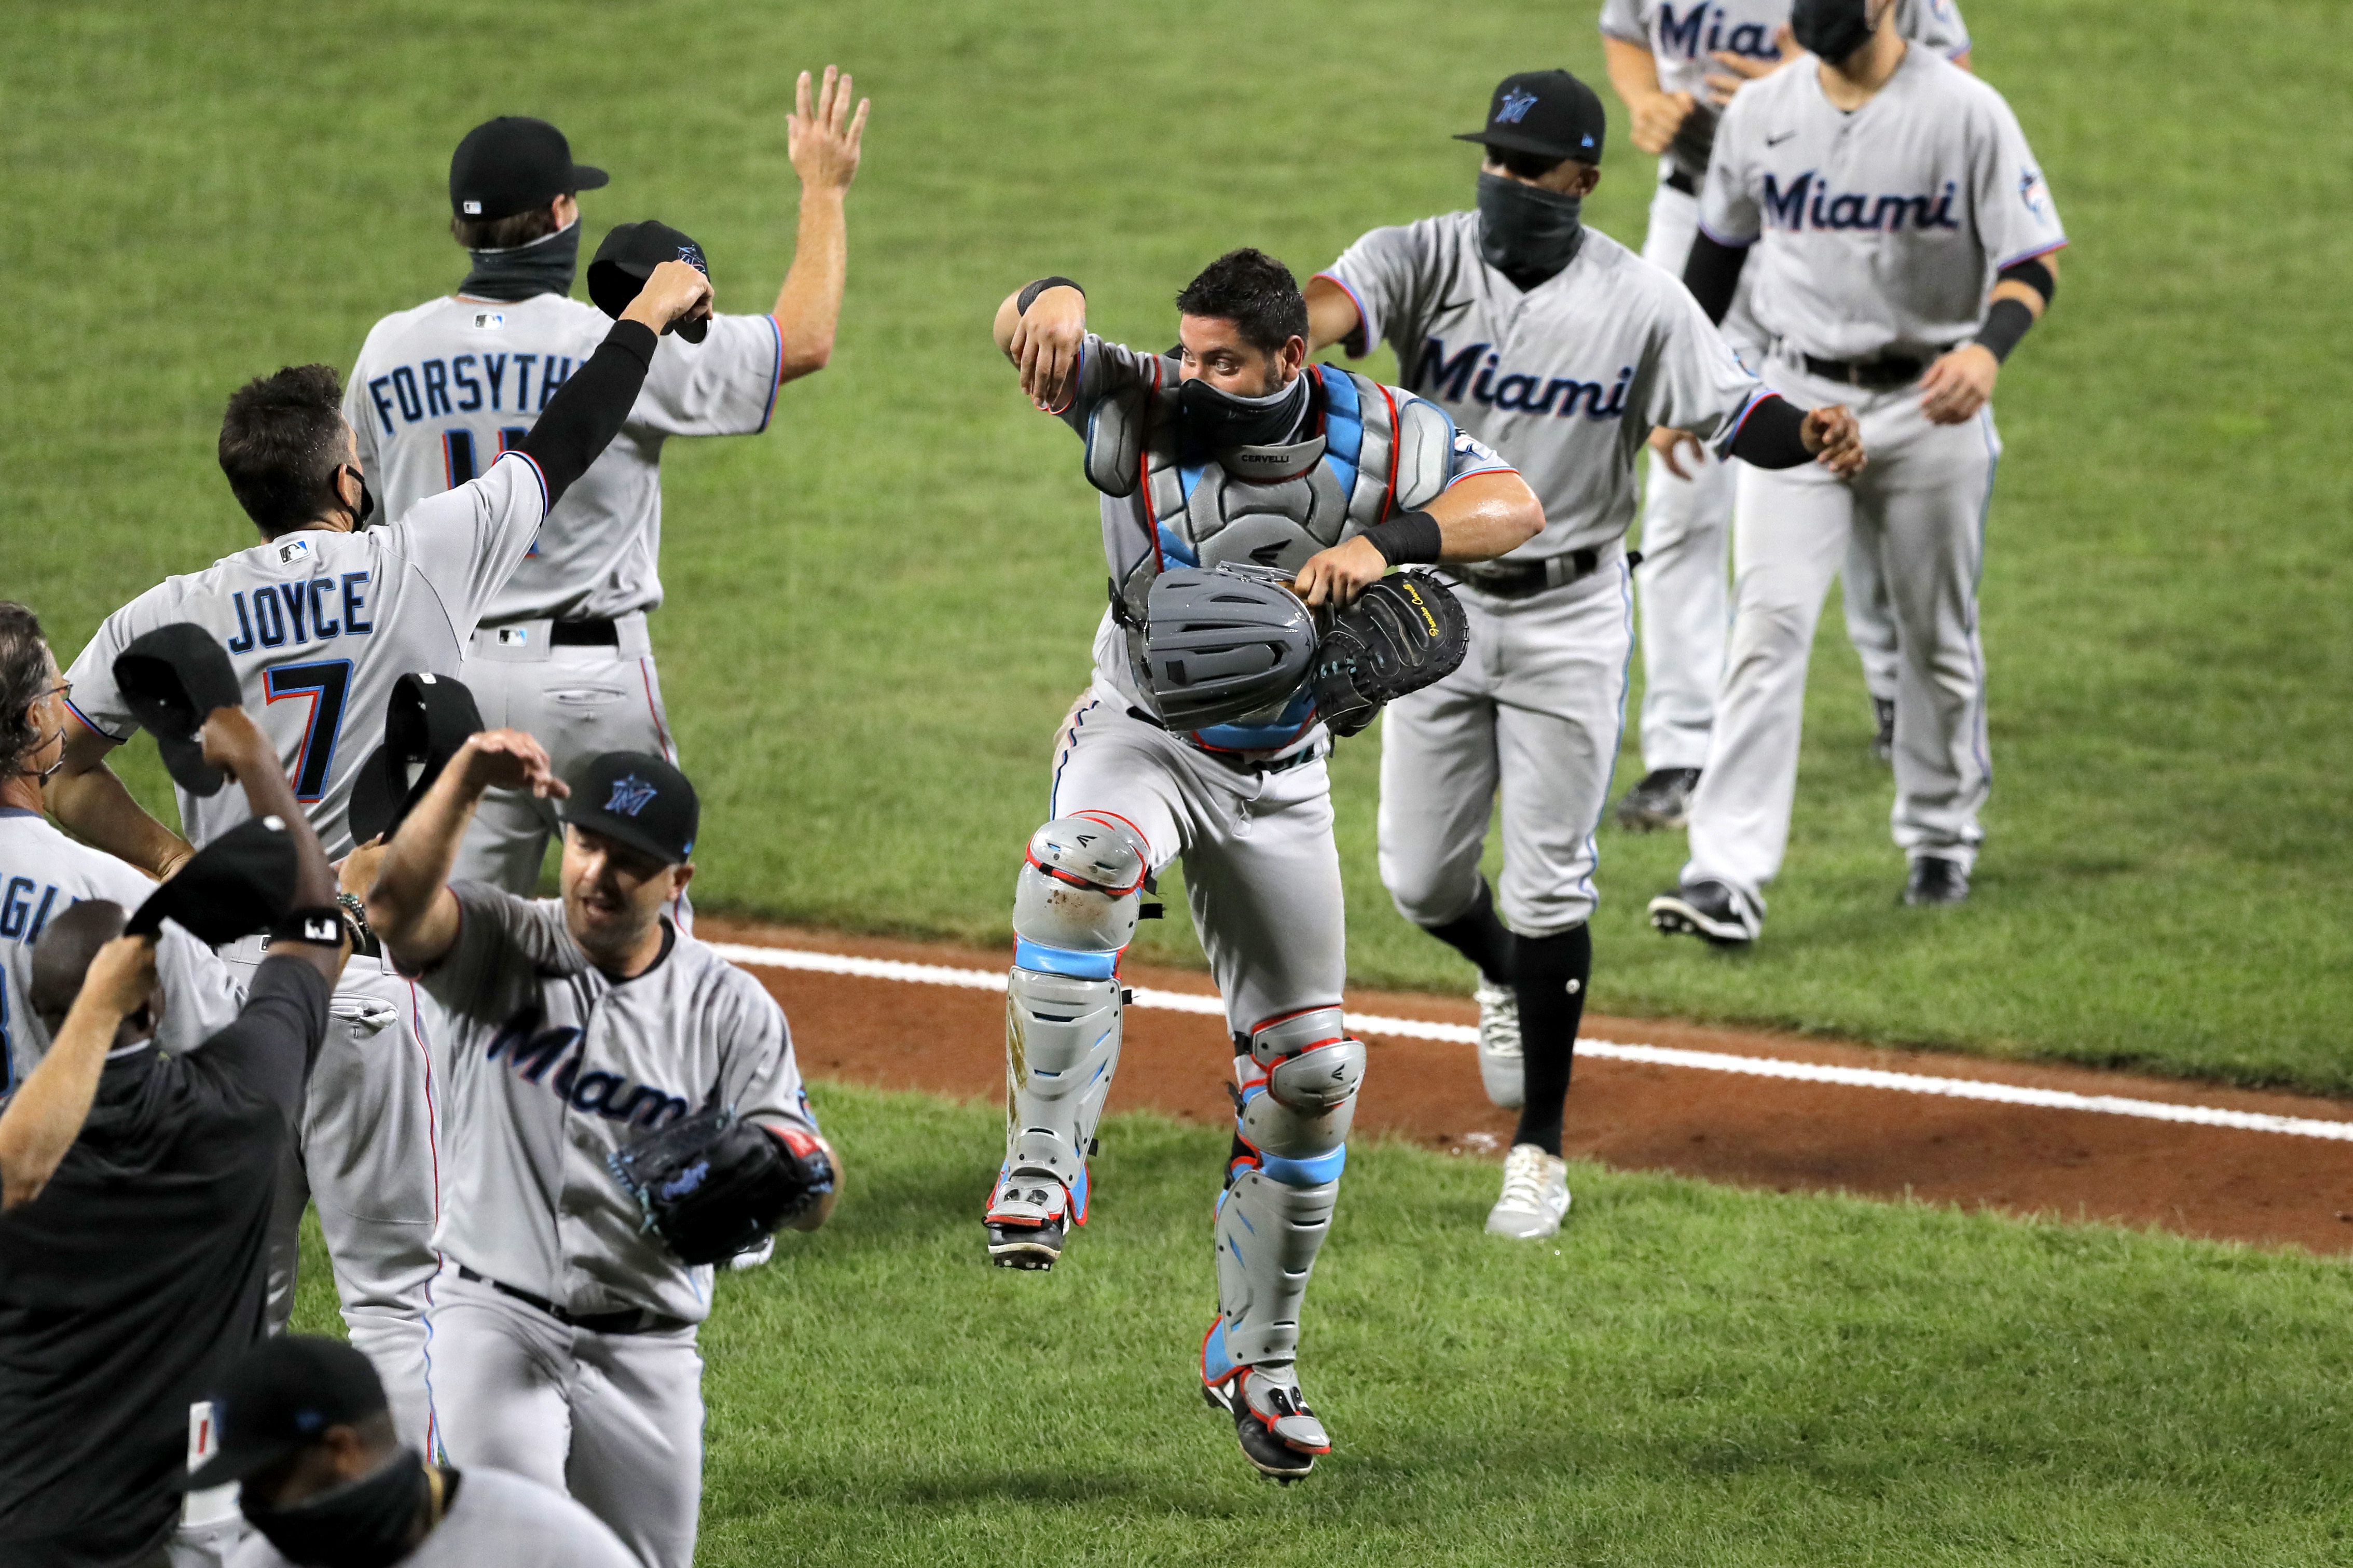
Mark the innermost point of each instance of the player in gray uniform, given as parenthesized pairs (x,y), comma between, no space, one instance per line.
(43,873)
(439,391)
(320,620)
(1563,349)
(1904,242)
(1232,449)
(1675,67)
(564,1330)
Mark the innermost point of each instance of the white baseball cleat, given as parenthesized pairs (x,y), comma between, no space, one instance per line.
(756,1257)
(1536,1195)
(1500,1065)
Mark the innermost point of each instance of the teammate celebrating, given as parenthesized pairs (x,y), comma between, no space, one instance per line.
(1229,449)
(43,873)
(1903,241)
(1560,347)
(320,620)
(440,390)
(1675,67)
(563,1332)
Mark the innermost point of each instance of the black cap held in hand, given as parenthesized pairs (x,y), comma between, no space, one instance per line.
(425,724)
(512,165)
(640,800)
(628,257)
(171,678)
(1549,113)
(282,1395)
(240,883)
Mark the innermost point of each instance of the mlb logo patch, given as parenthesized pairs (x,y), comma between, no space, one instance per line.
(513,636)
(293,550)
(471,210)
(489,321)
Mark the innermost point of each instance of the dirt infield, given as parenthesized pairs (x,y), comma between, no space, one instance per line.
(2248,1185)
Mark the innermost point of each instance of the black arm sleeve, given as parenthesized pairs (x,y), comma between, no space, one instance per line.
(1712,274)
(270,1047)
(1770,437)
(590,407)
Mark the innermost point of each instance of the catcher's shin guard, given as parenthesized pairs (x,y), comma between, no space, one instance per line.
(1300,1077)
(1074,911)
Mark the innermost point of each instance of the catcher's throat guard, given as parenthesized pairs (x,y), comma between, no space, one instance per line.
(713,1184)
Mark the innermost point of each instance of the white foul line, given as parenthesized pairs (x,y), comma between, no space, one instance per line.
(1650,1055)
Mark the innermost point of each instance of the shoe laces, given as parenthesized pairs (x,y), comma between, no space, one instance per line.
(1525,1169)
(1499,1020)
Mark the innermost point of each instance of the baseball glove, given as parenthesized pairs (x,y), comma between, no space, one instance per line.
(711,1184)
(1402,634)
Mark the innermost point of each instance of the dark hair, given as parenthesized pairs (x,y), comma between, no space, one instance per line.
(23,674)
(504,233)
(1253,290)
(1526,165)
(280,443)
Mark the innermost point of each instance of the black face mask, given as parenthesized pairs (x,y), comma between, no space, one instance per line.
(1527,233)
(367,498)
(1832,29)
(545,266)
(360,1525)
(1225,419)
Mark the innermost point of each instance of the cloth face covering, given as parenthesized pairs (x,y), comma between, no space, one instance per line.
(1832,29)
(360,1525)
(1227,419)
(545,266)
(1527,233)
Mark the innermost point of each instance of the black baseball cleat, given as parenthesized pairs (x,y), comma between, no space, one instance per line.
(1708,909)
(1279,1434)
(1029,1214)
(1662,800)
(1883,738)
(1935,880)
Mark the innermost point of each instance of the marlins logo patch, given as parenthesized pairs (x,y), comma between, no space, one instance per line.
(631,794)
(2034,193)
(1514,107)
(692,253)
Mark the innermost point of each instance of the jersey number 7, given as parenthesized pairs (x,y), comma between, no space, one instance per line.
(326,683)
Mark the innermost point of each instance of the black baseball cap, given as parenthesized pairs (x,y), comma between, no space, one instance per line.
(628,257)
(1549,113)
(512,165)
(281,1396)
(641,800)
(240,883)
(425,724)
(171,678)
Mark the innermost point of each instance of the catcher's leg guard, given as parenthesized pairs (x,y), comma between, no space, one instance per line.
(1074,912)
(1300,1076)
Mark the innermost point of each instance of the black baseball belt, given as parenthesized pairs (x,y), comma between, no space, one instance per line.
(635,1320)
(1526,579)
(1875,374)
(584,634)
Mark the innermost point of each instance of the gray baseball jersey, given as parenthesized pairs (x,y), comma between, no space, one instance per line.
(495,1518)
(320,626)
(1881,228)
(1130,536)
(1685,39)
(43,873)
(551,1067)
(1566,380)
(439,391)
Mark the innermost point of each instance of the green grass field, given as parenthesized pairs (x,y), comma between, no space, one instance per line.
(1692,1377)
(877,613)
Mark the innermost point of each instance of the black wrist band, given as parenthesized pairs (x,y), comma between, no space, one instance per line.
(322,925)
(1412,540)
(2004,325)
(1030,291)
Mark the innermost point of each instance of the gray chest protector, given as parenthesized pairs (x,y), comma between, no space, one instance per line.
(1371,453)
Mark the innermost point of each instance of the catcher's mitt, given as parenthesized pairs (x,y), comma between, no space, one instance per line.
(1402,634)
(712,1186)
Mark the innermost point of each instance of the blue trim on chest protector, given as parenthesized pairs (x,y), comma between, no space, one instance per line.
(1263,737)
